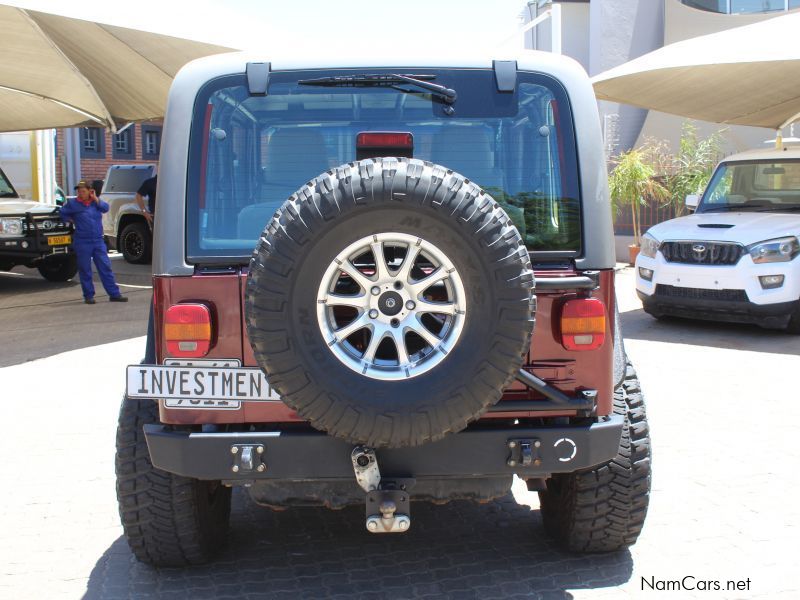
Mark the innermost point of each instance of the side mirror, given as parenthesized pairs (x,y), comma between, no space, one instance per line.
(692,200)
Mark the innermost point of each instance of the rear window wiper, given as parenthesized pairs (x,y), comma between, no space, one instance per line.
(391,80)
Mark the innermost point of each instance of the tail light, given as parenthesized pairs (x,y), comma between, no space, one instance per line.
(384,143)
(583,324)
(187,330)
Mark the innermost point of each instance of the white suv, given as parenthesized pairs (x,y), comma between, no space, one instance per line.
(735,258)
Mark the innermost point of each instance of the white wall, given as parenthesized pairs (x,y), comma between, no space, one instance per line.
(575,31)
(682,22)
(15,160)
(622,30)
(21,167)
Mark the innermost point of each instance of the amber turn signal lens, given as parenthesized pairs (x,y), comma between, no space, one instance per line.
(583,324)
(187,330)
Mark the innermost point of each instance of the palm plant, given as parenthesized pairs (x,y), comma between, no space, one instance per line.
(693,165)
(633,181)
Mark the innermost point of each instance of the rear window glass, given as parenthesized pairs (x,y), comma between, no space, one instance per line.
(250,153)
(777,176)
(126,180)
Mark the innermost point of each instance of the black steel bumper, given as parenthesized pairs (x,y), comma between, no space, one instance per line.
(766,315)
(34,248)
(311,455)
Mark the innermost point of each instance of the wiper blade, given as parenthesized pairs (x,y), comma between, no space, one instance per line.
(789,208)
(728,207)
(391,80)
(720,208)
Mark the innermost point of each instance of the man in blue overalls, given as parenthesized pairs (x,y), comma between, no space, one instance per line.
(86,213)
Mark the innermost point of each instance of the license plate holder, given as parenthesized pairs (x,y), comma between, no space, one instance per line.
(200,384)
(59,240)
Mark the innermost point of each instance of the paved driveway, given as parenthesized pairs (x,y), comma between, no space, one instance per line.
(39,318)
(725,502)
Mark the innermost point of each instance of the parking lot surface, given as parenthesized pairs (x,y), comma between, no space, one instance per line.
(39,318)
(725,502)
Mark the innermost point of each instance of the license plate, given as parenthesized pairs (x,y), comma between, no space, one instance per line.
(203,384)
(58,240)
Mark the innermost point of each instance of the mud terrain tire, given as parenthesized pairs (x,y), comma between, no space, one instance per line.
(408,199)
(602,509)
(169,520)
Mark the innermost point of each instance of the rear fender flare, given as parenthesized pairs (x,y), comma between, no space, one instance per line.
(620,356)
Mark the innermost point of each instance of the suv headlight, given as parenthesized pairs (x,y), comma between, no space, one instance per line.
(771,251)
(649,246)
(10,227)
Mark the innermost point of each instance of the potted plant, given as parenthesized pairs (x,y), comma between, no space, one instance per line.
(633,182)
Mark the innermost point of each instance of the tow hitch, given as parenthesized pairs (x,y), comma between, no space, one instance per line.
(388,500)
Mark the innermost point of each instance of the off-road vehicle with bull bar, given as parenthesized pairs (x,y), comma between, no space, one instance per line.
(348,263)
(33,234)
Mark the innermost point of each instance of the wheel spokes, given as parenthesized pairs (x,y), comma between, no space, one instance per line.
(357,301)
(419,286)
(371,286)
(345,332)
(362,280)
(426,334)
(381,268)
(378,334)
(398,337)
(440,308)
(404,274)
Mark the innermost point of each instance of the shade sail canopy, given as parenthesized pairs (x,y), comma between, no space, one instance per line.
(59,72)
(743,76)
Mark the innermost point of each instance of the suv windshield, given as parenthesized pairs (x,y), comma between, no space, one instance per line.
(250,153)
(6,189)
(764,185)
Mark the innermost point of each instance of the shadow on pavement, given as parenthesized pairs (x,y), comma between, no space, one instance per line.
(638,325)
(39,318)
(16,286)
(460,550)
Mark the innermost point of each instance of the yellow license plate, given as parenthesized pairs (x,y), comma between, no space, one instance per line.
(58,240)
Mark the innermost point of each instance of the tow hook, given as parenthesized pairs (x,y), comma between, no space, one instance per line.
(388,506)
(248,458)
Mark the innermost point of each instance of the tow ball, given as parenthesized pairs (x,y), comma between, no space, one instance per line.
(388,502)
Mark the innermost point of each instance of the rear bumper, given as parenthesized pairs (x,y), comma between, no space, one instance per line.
(766,315)
(311,455)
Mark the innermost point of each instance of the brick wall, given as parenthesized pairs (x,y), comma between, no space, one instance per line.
(96,168)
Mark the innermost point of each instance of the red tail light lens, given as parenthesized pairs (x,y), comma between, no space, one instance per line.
(583,324)
(384,139)
(370,144)
(187,330)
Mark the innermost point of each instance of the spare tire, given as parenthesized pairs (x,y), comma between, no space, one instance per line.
(390,301)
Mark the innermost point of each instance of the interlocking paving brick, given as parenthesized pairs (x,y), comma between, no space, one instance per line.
(725,502)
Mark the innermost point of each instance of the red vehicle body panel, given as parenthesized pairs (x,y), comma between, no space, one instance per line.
(569,371)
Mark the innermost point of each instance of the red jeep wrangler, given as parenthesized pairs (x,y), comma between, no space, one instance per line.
(378,346)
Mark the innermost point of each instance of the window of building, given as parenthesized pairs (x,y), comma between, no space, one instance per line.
(738,7)
(124,146)
(720,6)
(756,6)
(92,139)
(151,141)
